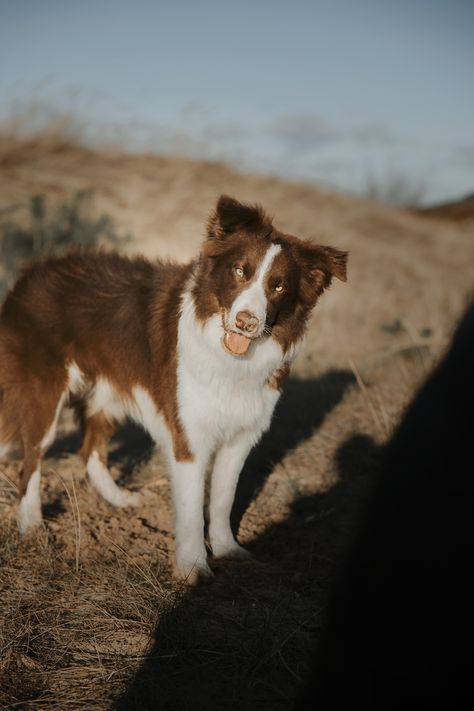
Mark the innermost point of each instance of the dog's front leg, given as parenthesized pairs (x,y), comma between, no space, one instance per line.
(227,466)
(187,481)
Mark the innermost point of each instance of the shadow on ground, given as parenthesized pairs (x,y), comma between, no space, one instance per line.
(299,413)
(130,447)
(245,641)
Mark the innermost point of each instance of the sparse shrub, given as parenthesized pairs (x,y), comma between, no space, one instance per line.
(396,189)
(46,232)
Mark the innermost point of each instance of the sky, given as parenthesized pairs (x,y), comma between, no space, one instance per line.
(354,95)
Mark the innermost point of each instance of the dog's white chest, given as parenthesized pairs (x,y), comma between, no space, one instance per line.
(217,411)
(220,395)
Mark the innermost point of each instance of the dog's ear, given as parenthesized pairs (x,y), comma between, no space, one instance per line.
(318,266)
(229,216)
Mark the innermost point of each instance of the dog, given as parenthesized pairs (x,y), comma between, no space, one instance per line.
(196,353)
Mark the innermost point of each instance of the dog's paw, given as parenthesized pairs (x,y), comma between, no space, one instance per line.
(146,494)
(230,551)
(193,574)
(29,517)
(124,498)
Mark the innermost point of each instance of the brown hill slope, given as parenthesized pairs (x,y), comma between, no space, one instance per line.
(401,267)
(455,211)
(89,611)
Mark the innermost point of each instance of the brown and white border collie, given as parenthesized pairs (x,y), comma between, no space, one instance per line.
(195,353)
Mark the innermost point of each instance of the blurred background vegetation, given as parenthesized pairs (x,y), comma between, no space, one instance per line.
(37,228)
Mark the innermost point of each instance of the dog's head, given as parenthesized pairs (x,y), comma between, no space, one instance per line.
(262,282)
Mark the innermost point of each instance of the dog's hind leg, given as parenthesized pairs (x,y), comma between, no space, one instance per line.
(40,417)
(98,430)
(29,511)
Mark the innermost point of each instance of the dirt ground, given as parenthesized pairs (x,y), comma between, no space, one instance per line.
(90,615)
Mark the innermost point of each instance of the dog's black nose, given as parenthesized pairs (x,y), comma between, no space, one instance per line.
(246,321)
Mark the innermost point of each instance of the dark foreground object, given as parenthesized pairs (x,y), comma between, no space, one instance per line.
(400,622)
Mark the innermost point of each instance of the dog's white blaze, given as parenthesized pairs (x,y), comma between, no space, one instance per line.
(253,298)
(29,510)
(102,481)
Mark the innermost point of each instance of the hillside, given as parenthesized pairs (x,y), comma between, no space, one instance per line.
(89,609)
(418,265)
(455,211)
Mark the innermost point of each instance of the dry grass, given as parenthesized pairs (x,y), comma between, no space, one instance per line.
(90,617)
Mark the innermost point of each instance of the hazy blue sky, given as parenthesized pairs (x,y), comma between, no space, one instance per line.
(330,91)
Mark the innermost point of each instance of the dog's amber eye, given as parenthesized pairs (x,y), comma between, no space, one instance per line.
(279,288)
(239,271)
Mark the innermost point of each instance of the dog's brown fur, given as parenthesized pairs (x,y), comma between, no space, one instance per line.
(113,316)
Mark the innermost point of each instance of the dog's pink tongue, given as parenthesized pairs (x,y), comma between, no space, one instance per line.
(236,343)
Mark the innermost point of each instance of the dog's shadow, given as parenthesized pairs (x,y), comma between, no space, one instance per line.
(245,641)
(130,447)
(300,411)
